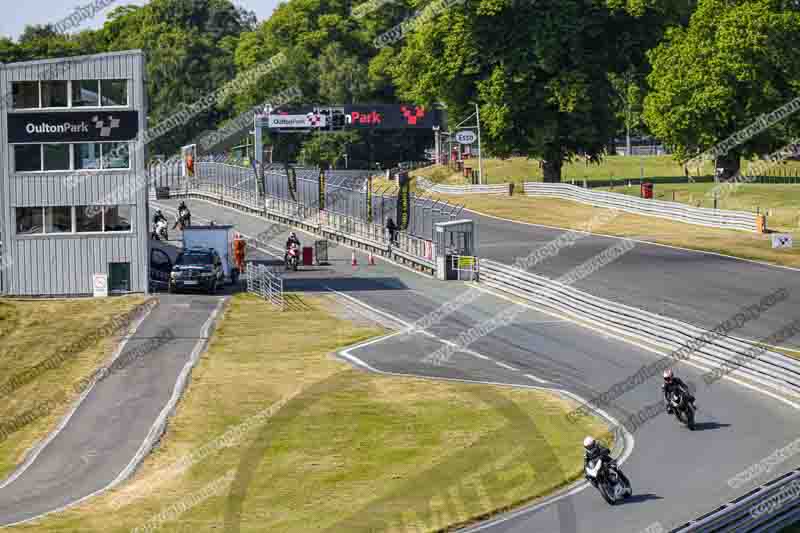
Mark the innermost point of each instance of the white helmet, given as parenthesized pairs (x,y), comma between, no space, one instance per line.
(588,442)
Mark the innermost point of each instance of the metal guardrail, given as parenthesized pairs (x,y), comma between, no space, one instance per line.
(760,510)
(421,249)
(775,370)
(718,218)
(768,368)
(410,249)
(503,189)
(264,283)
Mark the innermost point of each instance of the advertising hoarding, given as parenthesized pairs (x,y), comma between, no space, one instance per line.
(73,127)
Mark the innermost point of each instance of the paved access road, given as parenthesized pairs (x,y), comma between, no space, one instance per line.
(701,288)
(108,428)
(676,474)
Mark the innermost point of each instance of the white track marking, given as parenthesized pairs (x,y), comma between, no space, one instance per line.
(410,328)
(534,378)
(635,240)
(623,337)
(627,445)
(154,429)
(38,450)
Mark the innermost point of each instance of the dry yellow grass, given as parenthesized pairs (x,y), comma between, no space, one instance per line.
(31,331)
(352,452)
(574,215)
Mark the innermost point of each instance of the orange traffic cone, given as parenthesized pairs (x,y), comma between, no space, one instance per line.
(371,259)
(354,262)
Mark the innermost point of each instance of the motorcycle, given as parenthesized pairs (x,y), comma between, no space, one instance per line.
(292,257)
(683,408)
(182,219)
(159,231)
(609,480)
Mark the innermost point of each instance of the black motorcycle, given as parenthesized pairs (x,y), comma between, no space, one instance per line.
(182,219)
(609,480)
(683,408)
(159,231)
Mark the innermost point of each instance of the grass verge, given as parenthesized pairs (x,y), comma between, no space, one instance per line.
(573,215)
(781,202)
(520,169)
(350,451)
(32,332)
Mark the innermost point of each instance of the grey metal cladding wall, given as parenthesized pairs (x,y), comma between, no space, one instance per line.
(65,264)
(55,189)
(5,228)
(106,66)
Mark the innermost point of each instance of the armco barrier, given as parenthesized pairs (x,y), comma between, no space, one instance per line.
(412,251)
(753,512)
(771,369)
(504,188)
(718,218)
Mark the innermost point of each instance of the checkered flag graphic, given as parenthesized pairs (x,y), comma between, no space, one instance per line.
(105,129)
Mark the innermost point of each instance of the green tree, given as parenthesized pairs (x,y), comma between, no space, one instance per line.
(538,70)
(629,95)
(734,62)
(326,149)
(190,47)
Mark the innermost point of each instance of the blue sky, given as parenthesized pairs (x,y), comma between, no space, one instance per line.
(26,12)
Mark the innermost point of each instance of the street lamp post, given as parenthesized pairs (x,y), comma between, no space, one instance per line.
(480,151)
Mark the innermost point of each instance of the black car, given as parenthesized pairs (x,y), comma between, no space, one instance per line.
(197,269)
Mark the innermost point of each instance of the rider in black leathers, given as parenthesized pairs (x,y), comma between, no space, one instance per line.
(158,216)
(183,212)
(292,239)
(672,384)
(592,451)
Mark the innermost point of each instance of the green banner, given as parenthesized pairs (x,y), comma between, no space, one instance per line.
(369,199)
(322,183)
(403,200)
(292,179)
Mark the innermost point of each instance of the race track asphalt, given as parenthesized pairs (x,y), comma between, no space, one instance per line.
(676,474)
(700,288)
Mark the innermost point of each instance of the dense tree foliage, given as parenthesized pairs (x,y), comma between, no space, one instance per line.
(734,62)
(552,78)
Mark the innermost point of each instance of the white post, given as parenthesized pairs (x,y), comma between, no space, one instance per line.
(480,152)
(438,148)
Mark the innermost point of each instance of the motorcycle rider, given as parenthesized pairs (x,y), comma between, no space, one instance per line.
(291,240)
(673,384)
(183,215)
(592,451)
(158,216)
